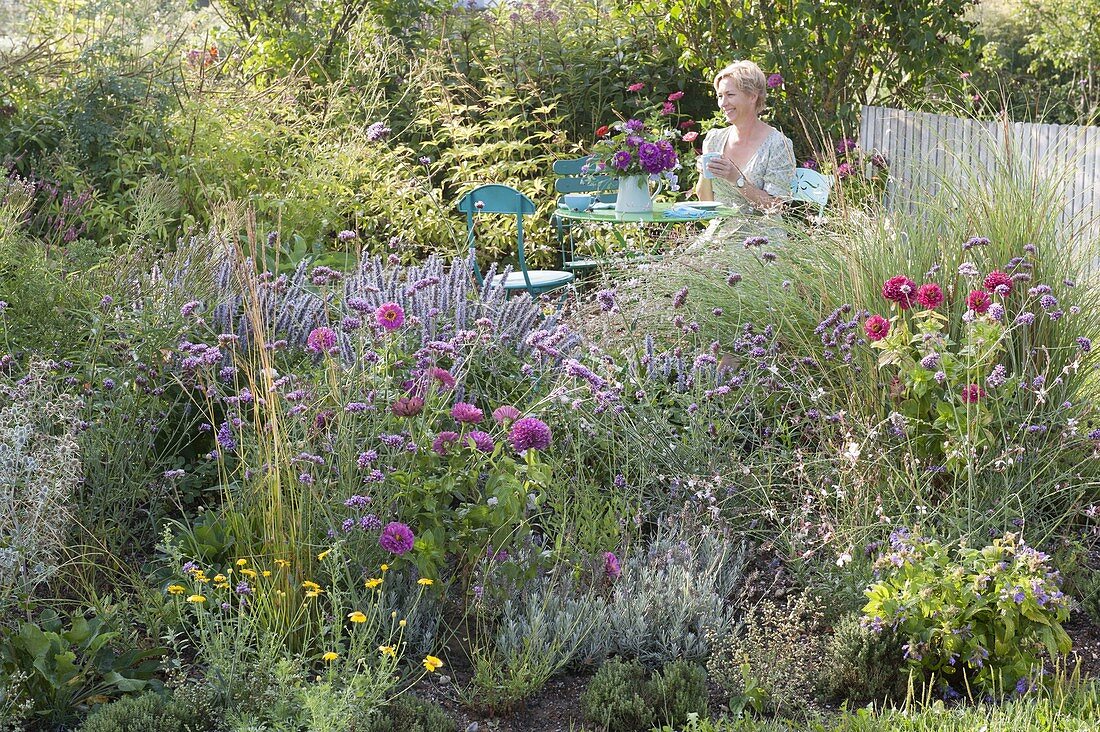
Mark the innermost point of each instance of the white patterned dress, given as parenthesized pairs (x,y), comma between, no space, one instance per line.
(771,168)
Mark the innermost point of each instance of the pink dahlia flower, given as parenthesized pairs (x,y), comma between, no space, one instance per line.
(876,327)
(505,413)
(978,301)
(930,295)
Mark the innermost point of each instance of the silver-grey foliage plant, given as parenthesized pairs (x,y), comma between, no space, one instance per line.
(39,471)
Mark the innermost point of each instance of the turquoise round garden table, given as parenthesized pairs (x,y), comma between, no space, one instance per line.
(659,215)
(662,213)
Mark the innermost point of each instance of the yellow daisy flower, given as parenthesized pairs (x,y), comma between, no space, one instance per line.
(176,589)
(388,651)
(219,578)
(311,585)
(249,573)
(372,583)
(330,656)
(266,573)
(242,562)
(322,555)
(432,663)
(196,599)
(424,581)
(313,593)
(385,567)
(357,617)
(282,563)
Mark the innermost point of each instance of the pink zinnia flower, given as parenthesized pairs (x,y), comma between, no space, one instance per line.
(971,393)
(444,377)
(443,441)
(995,279)
(480,441)
(876,327)
(408,406)
(844,170)
(390,315)
(505,413)
(775,80)
(637,87)
(467,413)
(978,301)
(675,96)
(900,289)
(690,136)
(930,295)
(321,340)
(396,538)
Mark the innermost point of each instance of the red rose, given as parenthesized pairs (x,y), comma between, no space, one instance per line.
(602,132)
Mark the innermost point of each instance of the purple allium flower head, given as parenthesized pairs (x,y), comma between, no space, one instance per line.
(358,304)
(611,565)
(505,413)
(189,308)
(244,589)
(1084,344)
(606,299)
(480,441)
(974,241)
(996,312)
(350,324)
(346,235)
(443,441)
(931,361)
(1025,318)
(396,538)
(390,315)
(466,413)
(108,384)
(1048,302)
(775,81)
(529,433)
(321,340)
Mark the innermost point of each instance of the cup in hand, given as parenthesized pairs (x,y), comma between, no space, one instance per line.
(705,159)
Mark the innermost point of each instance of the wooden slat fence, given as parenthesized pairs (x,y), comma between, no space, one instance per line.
(923,149)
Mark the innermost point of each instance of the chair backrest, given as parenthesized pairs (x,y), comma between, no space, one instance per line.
(810,185)
(498,199)
(573,176)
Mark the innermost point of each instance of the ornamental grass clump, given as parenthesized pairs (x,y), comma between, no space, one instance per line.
(973,619)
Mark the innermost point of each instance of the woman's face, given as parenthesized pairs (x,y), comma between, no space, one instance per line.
(736,105)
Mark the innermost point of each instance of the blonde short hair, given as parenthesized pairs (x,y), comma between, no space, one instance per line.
(749,78)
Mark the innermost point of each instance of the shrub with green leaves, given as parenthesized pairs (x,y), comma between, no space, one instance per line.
(983,617)
(863,666)
(148,712)
(772,662)
(407,713)
(678,691)
(614,698)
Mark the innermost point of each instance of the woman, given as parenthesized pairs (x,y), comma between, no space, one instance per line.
(753,163)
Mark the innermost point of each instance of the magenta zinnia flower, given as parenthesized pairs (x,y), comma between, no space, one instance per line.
(529,433)
(876,327)
(468,413)
(775,80)
(505,413)
(900,289)
(971,393)
(321,340)
(480,441)
(396,538)
(995,279)
(930,295)
(390,315)
(978,301)
(443,441)
(444,377)
(408,406)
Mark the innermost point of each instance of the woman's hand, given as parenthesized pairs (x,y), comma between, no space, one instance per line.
(727,169)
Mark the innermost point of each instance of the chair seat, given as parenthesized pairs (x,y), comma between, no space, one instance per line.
(541,279)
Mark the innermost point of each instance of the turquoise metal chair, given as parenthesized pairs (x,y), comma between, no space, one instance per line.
(574,177)
(499,199)
(811,186)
